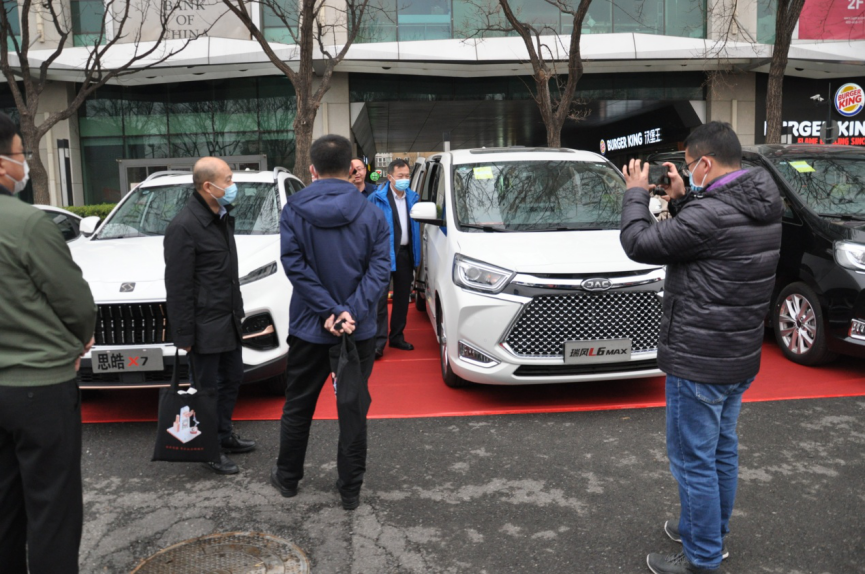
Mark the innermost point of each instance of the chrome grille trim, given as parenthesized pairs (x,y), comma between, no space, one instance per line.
(542,326)
(132,324)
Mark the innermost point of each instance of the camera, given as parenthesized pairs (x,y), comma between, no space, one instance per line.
(658,175)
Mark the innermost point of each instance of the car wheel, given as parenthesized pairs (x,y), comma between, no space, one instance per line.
(277,384)
(450,378)
(799,327)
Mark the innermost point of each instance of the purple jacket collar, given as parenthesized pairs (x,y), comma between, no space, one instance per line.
(725,179)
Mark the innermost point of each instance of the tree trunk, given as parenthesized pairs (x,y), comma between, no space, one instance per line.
(302,142)
(774,95)
(545,106)
(38,173)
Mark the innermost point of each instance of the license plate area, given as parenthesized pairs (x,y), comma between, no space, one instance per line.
(126,361)
(604,351)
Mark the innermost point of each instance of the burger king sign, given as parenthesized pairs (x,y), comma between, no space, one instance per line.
(849,100)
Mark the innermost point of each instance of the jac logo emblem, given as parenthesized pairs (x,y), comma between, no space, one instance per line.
(127,287)
(596,284)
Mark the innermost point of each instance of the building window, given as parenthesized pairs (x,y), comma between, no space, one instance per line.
(407,20)
(766,13)
(87,19)
(183,120)
(279,19)
(11,9)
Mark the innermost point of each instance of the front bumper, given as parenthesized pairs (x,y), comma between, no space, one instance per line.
(483,322)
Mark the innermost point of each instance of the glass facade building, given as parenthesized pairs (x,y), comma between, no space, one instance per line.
(183,120)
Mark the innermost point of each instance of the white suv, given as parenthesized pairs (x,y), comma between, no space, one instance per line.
(123,263)
(522,272)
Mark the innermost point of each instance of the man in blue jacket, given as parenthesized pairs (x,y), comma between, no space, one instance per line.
(334,252)
(396,200)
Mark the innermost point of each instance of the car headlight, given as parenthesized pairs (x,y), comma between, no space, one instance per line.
(480,276)
(260,273)
(850,255)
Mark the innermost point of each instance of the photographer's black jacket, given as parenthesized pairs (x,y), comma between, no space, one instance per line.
(205,307)
(721,251)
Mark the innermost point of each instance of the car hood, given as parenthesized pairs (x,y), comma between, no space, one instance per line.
(551,252)
(109,263)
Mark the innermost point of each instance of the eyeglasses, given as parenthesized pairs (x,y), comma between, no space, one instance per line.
(686,171)
(28,155)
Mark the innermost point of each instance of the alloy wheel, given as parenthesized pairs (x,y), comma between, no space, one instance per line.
(797,323)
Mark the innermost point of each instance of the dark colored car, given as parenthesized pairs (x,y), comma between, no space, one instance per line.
(818,307)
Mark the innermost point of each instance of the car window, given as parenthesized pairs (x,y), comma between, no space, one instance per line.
(294,185)
(67,225)
(828,185)
(147,211)
(538,195)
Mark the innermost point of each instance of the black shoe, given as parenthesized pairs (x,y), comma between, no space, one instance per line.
(676,564)
(672,531)
(285,491)
(379,353)
(224,466)
(235,444)
(348,502)
(402,345)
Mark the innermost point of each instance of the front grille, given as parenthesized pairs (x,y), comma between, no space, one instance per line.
(548,321)
(568,370)
(88,377)
(132,324)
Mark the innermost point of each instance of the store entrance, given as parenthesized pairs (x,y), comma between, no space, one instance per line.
(134,171)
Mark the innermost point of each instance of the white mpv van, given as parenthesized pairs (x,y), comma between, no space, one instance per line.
(522,273)
(124,264)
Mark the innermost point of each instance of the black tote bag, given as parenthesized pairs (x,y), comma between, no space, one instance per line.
(187,428)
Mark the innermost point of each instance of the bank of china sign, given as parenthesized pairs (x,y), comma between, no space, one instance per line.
(638,139)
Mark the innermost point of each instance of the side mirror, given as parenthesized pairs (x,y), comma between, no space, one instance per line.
(88,225)
(426,212)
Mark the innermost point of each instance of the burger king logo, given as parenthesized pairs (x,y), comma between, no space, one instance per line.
(603,147)
(849,100)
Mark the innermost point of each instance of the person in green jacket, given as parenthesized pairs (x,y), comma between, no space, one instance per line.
(47,318)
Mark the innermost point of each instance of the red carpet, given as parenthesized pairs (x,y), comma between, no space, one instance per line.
(408,384)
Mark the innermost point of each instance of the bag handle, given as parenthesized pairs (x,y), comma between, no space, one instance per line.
(175,376)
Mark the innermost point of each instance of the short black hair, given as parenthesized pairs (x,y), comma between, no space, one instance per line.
(331,155)
(360,159)
(718,140)
(397,163)
(8,131)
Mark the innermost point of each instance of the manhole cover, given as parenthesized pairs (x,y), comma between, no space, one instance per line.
(229,553)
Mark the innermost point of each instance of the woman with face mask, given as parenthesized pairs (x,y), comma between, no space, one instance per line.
(14,167)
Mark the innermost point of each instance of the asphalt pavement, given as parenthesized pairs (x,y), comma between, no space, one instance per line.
(583,492)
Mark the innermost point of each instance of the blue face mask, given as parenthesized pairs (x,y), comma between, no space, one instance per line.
(401,184)
(702,187)
(229,197)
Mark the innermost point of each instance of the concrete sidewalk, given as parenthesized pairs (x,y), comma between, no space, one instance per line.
(576,492)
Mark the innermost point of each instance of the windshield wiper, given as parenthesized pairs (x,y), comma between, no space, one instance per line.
(487,228)
(543,229)
(843,216)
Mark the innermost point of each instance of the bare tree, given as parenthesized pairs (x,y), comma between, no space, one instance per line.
(555,98)
(786,17)
(309,27)
(27,80)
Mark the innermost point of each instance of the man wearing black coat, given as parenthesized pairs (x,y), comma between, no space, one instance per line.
(205,307)
(721,250)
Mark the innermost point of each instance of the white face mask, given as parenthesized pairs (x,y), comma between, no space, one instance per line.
(19,185)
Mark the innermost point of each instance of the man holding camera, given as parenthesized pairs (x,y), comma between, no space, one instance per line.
(721,250)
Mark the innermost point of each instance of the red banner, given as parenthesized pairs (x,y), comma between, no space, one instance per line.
(832,20)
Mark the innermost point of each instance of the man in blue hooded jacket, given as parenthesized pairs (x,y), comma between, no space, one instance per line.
(395,199)
(334,252)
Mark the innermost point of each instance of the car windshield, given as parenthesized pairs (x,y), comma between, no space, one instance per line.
(147,211)
(831,186)
(538,195)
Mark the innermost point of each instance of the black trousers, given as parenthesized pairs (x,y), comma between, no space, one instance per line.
(308,369)
(41,504)
(224,372)
(402,279)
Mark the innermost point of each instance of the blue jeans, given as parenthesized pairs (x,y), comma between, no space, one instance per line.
(703,449)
